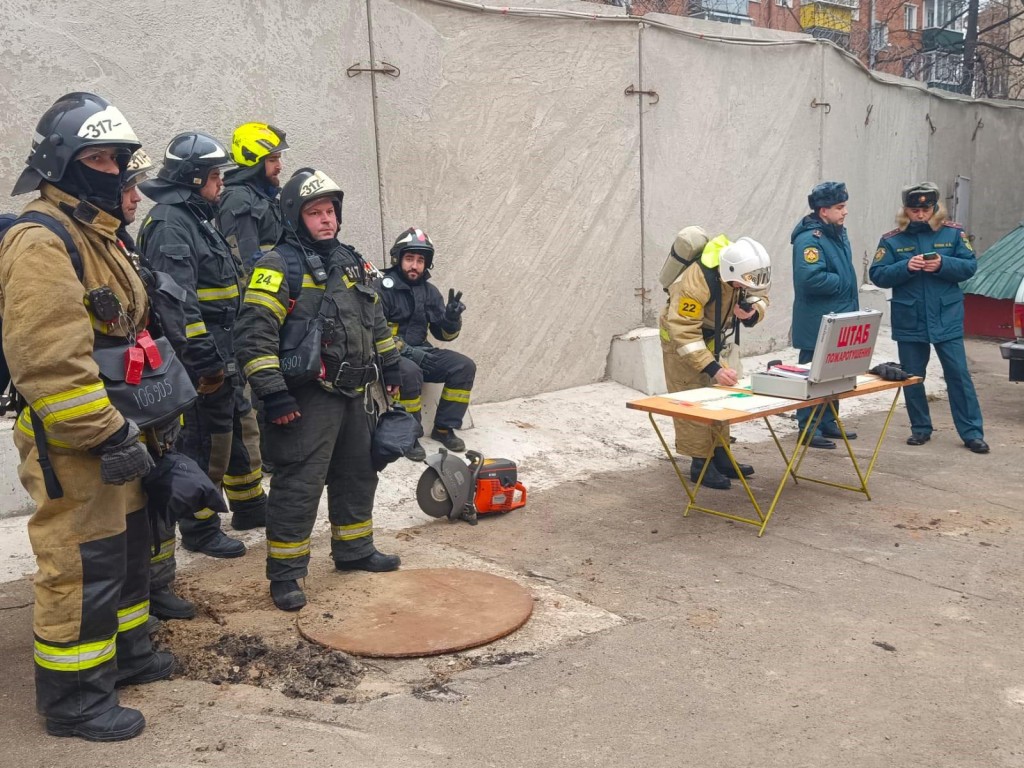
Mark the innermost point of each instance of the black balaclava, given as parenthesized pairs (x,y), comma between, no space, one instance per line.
(95,187)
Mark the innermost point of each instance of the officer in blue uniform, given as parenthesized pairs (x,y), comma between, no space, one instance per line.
(824,281)
(924,261)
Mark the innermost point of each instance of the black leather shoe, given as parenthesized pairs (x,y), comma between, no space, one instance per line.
(378,562)
(164,604)
(245,520)
(287,595)
(817,441)
(834,434)
(918,438)
(416,453)
(977,445)
(158,666)
(712,478)
(221,545)
(116,724)
(448,439)
(723,465)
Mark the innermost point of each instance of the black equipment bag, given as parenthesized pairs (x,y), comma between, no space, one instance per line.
(164,392)
(396,433)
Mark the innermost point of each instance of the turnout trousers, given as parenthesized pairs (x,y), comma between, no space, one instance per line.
(92,584)
(963,400)
(442,366)
(329,446)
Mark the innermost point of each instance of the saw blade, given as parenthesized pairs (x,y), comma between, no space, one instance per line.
(431,494)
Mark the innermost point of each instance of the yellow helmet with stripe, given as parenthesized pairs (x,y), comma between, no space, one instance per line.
(252,142)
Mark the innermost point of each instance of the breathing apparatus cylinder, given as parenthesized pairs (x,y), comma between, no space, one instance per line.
(686,249)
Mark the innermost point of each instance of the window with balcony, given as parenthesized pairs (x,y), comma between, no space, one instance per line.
(944,13)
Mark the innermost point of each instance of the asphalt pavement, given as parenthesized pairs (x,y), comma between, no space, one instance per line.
(853,633)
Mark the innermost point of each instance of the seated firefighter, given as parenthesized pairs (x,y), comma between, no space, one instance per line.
(413,307)
(707,303)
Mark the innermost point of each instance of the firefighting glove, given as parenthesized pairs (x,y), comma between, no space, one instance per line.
(278,404)
(122,457)
(391,376)
(890,372)
(416,354)
(455,308)
(210,384)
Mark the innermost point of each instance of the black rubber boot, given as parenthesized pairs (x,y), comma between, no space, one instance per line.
(220,545)
(164,604)
(378,562)
(448,439)
(712,478)
(116,724)
(153,625)
(158,666)
(287,595)
(247,517)
(416,453)
(723,465)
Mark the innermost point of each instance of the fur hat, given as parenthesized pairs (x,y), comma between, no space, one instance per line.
(827,194)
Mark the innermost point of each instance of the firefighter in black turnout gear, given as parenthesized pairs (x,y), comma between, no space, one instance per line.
(413,306)
(220,432)
(249,215)
(90,536)
(312,340)
(168,315)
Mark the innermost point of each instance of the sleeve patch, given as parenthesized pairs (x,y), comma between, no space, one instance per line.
(967,241)
(811,255)
(690,307)
(264,279)
(880,254)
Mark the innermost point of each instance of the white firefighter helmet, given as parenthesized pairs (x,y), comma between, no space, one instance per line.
(747,263)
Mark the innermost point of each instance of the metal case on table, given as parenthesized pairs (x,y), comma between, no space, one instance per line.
(842,352)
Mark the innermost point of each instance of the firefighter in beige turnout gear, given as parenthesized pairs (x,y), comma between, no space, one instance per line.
(92,542)
(719,291)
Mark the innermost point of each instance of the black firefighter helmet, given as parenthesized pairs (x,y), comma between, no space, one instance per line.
(74,122)
(415,240)
(306,185)
(188,161)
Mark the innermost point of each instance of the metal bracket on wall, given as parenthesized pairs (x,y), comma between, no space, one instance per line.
(815,103)
(931,125)
(643,294)
(867,117)
(655,98)
(978,127)
(384,69)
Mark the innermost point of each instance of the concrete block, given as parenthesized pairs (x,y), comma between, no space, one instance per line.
(635,361)
(14,501)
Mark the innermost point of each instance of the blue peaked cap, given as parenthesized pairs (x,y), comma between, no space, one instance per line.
(827,194)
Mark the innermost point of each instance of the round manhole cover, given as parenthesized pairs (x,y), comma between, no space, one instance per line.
(421,612)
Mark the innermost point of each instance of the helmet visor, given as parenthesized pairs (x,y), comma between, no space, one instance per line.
(757,278)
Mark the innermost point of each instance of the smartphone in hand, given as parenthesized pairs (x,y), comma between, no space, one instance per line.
(929,256)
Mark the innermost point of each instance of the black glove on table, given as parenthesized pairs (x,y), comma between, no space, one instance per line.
(890,372)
